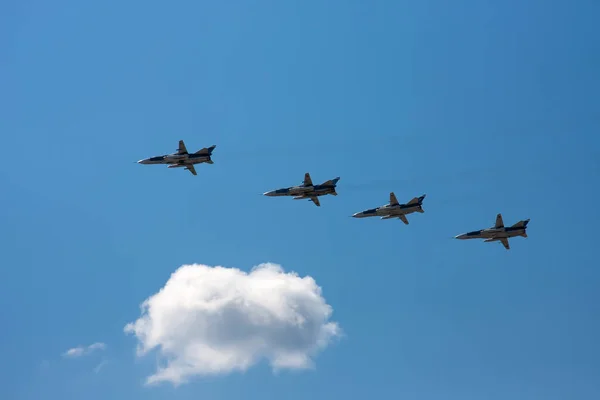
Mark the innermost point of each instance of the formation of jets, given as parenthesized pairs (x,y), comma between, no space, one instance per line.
(309,191)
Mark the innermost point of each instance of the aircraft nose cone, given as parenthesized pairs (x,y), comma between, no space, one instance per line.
(271,193)
(461,236)
(142,161)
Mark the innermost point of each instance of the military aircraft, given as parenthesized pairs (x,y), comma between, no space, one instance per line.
(307,190)
(498,233)
(182,158)
(394,209)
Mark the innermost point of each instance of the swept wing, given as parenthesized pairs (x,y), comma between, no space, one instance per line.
(182,149)
(499,222)
(503,240)
(307,180)
(190,167)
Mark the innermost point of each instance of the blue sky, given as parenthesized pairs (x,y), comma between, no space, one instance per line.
(485,106)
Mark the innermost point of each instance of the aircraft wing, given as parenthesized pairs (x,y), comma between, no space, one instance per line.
(190,167)
(393,199)
(182,149)
(307,180)
(315,200)
(403,219)
(503,240)
(499,221)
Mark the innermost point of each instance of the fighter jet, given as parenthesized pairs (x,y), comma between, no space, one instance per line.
(498,233)
(394,209)
(307,190)
(182,158)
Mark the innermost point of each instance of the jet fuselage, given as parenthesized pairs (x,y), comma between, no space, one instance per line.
(494,233)
(390,210)
(177,158)
(316,190)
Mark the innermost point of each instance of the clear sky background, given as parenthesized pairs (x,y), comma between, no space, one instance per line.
(485,106)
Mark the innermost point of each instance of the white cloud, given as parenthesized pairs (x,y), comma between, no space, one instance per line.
(215,320)
(83,350)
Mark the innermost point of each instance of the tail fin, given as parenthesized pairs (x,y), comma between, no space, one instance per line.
(521,224)
(332,181)
(207,150)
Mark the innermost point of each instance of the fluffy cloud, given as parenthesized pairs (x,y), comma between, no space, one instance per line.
(83,350)
(215,320)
